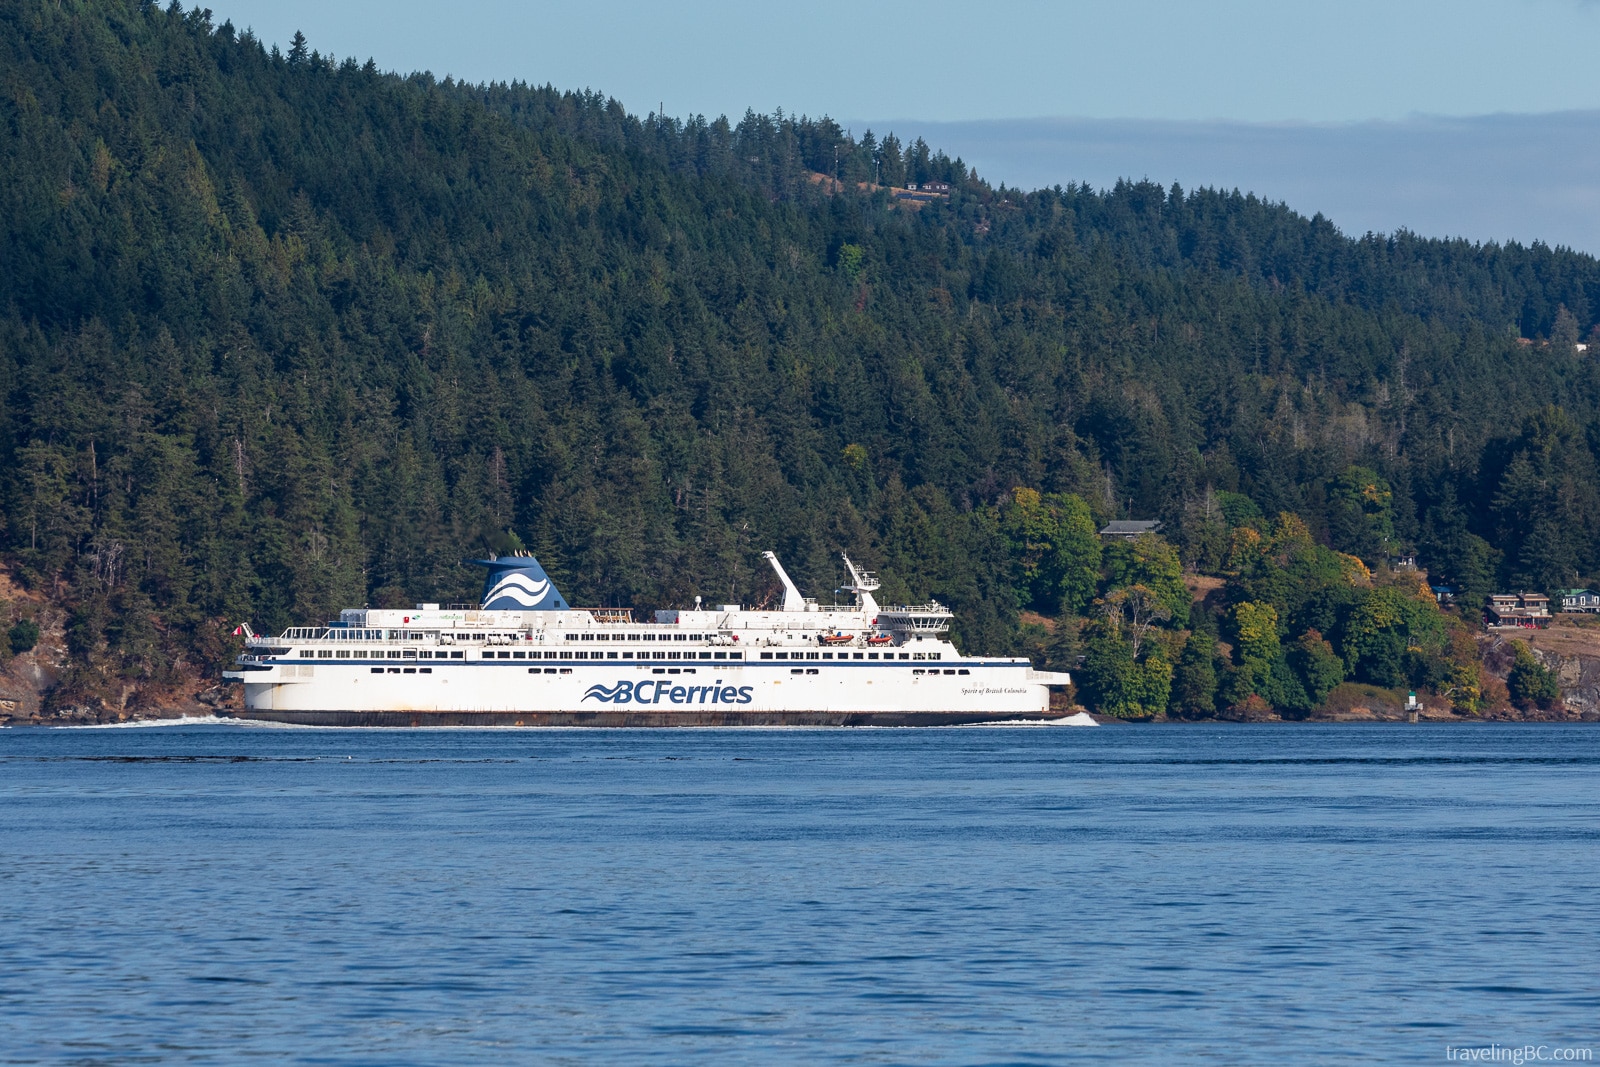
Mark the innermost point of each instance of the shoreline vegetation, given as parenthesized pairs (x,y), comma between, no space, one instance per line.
(282,333)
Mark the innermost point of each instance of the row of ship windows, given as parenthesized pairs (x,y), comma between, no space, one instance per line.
(917,670)
(674,670)
(637,637)
(395,653)
(337,634)
(849,655)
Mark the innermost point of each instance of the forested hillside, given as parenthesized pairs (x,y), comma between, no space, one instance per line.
(281,333)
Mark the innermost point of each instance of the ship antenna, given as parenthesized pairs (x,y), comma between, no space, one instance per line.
(863,584)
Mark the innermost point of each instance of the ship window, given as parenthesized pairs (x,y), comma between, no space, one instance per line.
(827,655)
(658,670)
(458,655)
(705,655)
(647,637)
(358,654)
(658,655)
(766,655)
(680,637)
(566,655)
(963,671)
(377,670)
(736,655)
(918,655)
(872,655)
(811,670)
(572,637)
(586,637)
(936,655)
(566,670)
(719,655)
(797,670)
(394,670)
(947,670)
(519,655)
(411,670)
(549,670)
(425,670)
(626,653)
(905,655)
(858,655)
(812,655)
(611,655)
(783,655)
(325,654)
(917,670)
(395,635)
(344,654)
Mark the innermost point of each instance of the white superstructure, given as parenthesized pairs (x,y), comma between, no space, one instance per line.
(524,656)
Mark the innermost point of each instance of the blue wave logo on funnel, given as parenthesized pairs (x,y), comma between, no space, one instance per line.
(518,583)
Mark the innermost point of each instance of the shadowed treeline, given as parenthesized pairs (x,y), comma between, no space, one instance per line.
(282,333)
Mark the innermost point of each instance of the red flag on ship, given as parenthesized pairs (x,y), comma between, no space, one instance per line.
(237,630)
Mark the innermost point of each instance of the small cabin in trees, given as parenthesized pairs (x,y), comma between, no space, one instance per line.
(1130,529)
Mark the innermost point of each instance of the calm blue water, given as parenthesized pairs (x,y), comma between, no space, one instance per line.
(1159,894)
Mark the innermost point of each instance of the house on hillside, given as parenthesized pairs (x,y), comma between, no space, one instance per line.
(1586,601)
(1131,529)
(1444,594)
(1517,611)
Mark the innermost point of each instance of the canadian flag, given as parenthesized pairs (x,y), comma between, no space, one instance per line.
(238,630)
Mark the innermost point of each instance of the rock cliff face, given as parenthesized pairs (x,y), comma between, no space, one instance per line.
(1570,647)
(28,679)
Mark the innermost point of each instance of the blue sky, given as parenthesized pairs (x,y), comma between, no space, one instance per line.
(1280,98)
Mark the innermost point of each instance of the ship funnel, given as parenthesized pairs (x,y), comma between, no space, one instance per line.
(518,583)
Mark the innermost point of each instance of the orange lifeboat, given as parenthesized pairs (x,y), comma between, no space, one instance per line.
(879,639)
(836,638)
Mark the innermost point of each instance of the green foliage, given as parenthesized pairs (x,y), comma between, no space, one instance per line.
(1056,552)
(23,636)
(1194,680)
(1317,666)
(1151,562)
(1530,682)
(1118,682)
(1361,514)
(1255,631)
(1389,635)
(280,333)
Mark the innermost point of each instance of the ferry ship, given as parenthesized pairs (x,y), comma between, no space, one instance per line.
(524,656)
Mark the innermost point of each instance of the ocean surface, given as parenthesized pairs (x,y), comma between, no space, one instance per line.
(1182,894)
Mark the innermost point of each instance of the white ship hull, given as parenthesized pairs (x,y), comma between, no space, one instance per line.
(524,658)
(341,694)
